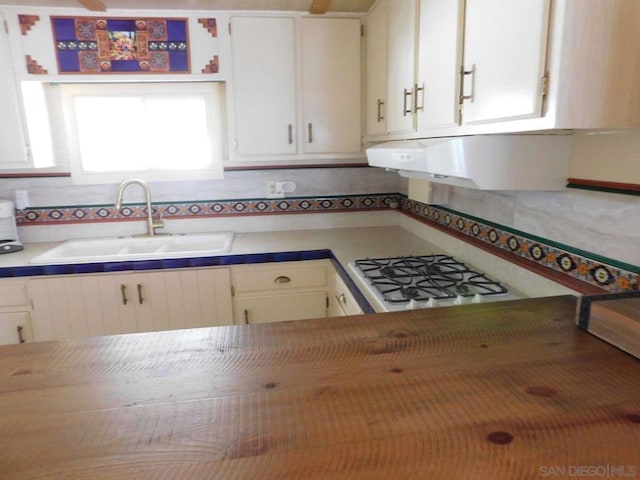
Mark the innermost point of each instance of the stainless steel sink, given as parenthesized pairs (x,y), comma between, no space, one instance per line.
(137,248)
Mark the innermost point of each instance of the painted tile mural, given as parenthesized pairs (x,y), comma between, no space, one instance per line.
(601,272)
(97,45)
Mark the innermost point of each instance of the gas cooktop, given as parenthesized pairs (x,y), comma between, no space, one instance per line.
(427,281)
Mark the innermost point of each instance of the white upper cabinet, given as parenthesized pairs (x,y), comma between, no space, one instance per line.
(264,87)
(296,89)
(331,99)
(495,66)
(504,59)
(13,144)
(401,64)
(376,45)
(439,54)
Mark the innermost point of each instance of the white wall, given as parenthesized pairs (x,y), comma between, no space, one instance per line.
(46,192)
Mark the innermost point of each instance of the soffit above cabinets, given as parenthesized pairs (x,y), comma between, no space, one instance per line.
(313,6)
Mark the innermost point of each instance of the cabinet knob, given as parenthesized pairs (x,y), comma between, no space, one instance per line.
(282,279)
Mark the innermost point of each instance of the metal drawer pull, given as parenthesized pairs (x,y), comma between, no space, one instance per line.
(19,328)
(472,74)
(380,117)
(123,291)
(246,317)
(407,93)
(140,299)
(342,299)
(290,127)
(282,279)
(418,89)
(310,127)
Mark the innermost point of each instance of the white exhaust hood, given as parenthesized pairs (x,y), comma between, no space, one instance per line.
(484,162)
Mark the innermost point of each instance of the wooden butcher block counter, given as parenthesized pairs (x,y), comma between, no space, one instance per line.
(506,390)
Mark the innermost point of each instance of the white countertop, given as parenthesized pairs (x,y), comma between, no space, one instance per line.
(349,244)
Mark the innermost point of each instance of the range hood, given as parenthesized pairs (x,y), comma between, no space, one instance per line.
(484,162)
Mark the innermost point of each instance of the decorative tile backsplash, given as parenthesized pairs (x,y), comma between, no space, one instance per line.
(607,274)
(601,272)
(199,209)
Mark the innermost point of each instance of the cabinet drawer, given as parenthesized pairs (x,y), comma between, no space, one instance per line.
(13,296)
(257,278)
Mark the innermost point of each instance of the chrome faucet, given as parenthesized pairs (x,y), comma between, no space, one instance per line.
(152,224)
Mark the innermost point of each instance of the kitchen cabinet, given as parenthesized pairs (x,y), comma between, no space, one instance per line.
(341,300)
(376,48)
(487,66)
(264,86)
(14,152)
(439,59)
(504,59)
(401,63)
(15,319)
(76,306)
(273,292)
(331,103)
(295,89)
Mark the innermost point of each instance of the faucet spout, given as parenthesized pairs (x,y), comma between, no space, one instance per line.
(152,224)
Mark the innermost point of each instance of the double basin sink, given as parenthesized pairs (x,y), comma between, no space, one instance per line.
(137,248)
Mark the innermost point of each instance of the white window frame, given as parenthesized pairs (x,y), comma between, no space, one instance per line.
(212,92)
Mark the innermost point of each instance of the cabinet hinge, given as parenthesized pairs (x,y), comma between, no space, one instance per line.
(362,29)
(544,85)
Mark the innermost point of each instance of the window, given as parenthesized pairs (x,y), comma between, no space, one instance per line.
(153,131)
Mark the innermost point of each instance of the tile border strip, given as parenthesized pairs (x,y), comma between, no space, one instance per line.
(206,209)
(559,261)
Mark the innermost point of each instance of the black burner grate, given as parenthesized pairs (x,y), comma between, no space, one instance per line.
(420,278)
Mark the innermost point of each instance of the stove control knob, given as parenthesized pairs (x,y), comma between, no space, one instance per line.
(477,298)
(459,300)
(432,302)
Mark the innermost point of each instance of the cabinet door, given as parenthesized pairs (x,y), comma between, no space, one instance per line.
(13,145)
(331,82)
(274,308)
(376,41)
(15,327)
(264,85)
(186,299)
(504,53)
(401,64)
(440,56)
(88,305)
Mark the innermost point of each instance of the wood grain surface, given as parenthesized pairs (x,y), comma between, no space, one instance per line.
(506,390)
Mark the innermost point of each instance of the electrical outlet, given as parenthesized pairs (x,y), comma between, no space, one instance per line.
(274,190)
(278,189)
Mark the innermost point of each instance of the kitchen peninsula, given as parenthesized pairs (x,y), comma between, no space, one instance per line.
(503,390)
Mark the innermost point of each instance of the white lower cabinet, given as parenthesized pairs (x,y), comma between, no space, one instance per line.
(15,319)
(283,291)
(341,300)
(74,306)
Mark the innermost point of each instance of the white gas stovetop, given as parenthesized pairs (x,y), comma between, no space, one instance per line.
(410,282)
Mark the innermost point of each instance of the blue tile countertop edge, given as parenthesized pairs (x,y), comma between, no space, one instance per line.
(216,261)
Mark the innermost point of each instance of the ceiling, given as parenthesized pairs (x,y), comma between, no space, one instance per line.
(277,5)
